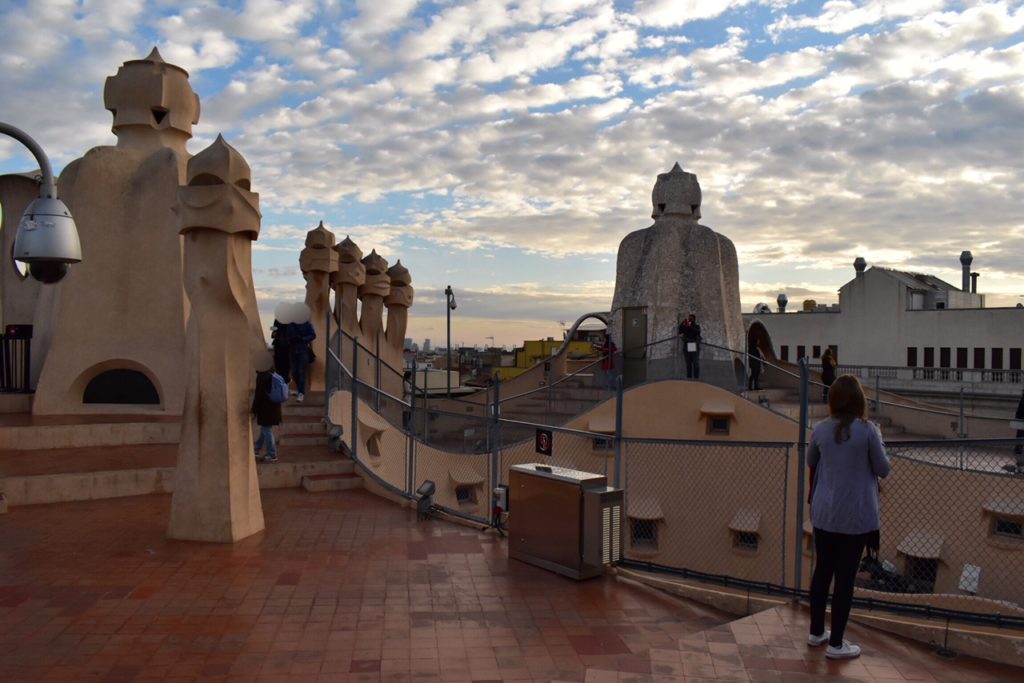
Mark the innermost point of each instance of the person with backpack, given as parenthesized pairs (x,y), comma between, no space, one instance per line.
(271,391)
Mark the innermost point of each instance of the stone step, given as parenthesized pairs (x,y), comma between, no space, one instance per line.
(301,428)
(302,410)
(86,431)
(62,487)
(342,481)
(302,440)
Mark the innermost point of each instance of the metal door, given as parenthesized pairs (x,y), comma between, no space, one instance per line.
(634,345)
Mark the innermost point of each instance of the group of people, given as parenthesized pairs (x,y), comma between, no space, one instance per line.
(292,356)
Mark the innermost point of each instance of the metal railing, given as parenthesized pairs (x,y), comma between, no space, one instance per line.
(16,359)
(729,512)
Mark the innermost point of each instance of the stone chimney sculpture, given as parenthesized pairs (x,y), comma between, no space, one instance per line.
(398,302)
(372,293)
(350,276)
(677,267)
(216,490)
(369,281)
(319,262)
(111,336)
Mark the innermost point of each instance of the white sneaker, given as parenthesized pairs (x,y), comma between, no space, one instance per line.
(815,641)
(300,398)
(846,651)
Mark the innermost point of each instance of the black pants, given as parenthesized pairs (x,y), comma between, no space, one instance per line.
(692,364)
(838,557)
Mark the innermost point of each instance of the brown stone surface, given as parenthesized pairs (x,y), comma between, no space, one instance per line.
(348,587)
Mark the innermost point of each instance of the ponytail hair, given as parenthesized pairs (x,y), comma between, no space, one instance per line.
(846,403)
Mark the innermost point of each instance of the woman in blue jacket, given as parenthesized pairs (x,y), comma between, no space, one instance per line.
(848,457)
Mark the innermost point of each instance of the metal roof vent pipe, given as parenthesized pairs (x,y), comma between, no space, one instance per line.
(782,300)
(965,261)
(974,283)
(859,264)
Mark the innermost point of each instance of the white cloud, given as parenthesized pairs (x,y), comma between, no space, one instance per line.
(843,16)
(376,18)
(667,13)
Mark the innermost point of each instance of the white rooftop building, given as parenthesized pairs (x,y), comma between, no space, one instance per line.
(899,319)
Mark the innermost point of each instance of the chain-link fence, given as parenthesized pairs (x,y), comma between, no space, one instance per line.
(952,526)
(713,508)
(952,511)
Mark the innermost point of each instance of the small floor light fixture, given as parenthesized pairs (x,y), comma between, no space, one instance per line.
(426,499)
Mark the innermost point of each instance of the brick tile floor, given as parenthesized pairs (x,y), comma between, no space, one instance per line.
(348,587)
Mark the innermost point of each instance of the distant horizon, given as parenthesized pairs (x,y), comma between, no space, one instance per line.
(506,148)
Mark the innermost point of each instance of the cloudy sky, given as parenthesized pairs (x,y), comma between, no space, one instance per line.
(506,148)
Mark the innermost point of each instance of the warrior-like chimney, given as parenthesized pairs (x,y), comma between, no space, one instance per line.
(974,283)
(782,300)
(859,264)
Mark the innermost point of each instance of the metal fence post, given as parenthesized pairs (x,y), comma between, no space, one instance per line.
(341,358)
(376,379)
(878,396)
(327,360)
(355,398)
(798,569)
(494,432)
(617,483)
(410,426)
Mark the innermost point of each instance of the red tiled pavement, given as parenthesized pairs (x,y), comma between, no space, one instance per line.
(349,587)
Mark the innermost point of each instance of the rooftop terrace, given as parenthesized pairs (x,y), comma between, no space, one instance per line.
(349,587)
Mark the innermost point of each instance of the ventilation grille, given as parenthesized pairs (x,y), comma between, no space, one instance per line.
(611,534)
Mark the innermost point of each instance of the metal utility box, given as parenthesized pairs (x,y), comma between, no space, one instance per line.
(564,520)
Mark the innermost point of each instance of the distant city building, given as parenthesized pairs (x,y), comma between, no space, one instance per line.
(408,344)
(888,317)
(426,346)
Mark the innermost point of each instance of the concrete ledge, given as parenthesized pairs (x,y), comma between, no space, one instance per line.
(62,488)
(331,482)
(65,488)
(998,645)
(32,437)
(303,440)
(16,403)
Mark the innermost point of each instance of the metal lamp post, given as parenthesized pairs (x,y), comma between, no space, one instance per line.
(450,297)
(47,239)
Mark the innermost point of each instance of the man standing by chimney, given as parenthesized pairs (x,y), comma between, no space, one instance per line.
(689,330)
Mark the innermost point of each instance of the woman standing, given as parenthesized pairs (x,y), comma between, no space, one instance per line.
(847,454)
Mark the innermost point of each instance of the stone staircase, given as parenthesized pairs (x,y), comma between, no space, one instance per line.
(83,457)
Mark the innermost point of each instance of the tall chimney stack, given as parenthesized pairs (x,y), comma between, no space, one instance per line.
(974,283)
(965,261)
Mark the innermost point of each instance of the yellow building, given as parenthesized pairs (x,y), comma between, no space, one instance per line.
(537,351)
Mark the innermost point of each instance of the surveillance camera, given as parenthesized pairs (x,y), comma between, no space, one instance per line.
(47,240)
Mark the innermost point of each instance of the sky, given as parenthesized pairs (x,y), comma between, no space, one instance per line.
(506,148)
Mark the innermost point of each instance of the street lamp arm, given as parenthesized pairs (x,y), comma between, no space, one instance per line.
(48,188)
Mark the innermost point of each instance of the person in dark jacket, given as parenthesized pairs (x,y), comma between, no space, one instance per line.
(689,330)
(299,336)
(268,416)
(828,372)
(282,360)
(754,381)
